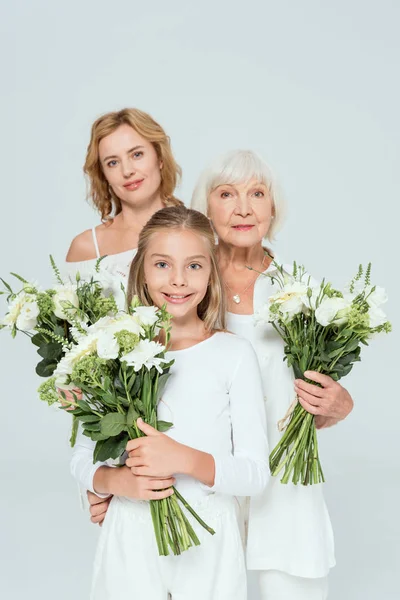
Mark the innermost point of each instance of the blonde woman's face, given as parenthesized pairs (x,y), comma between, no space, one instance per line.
(130,165)
(177,269)
(241,213)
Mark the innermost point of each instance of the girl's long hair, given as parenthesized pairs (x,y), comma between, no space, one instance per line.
(212,309)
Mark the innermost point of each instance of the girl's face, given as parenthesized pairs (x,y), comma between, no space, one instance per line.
(177,269)
(130,165)
(241,213)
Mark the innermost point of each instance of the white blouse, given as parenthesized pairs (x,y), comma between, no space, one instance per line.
(289,527)
(214,400)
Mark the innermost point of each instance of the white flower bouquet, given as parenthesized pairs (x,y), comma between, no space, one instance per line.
(49,317)
(113,364)
(323,329)
(120,368)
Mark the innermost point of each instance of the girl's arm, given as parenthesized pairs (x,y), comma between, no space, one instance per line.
(246,471)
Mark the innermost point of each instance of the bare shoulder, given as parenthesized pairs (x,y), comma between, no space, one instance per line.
(82,247)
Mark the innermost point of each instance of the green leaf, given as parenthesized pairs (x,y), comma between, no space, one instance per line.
(164,425)
(89,418)
(351,346)
(162,380)
(136,386)
(6,285)
(39,339)
(112,424)
(97,436)
(52,350)
(88,426)
(123,400)
(132,415)
(84,406)
(19,277)
(120,446)
(112,447)
(74,431)
(131,381)
(46,368)
(119,386)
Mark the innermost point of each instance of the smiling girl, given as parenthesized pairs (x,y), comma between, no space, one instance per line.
(217,448)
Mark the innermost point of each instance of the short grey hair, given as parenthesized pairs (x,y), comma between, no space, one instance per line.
(235,167)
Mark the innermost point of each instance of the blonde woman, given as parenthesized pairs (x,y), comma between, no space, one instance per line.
(290,541)
(217,448)
(132,173)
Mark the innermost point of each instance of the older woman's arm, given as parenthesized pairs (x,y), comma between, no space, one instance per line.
(330,403)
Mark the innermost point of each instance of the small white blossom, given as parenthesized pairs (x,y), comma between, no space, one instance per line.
(107,345)
(145,355)
(147,315)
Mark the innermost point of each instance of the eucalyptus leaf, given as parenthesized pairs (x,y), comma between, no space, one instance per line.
(52,350)
(46,368)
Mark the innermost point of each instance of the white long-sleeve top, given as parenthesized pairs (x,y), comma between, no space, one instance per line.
(214,399)
(289,525)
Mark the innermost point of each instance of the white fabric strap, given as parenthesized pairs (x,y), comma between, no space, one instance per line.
(96,245)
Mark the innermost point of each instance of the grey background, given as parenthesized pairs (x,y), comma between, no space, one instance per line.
(313,86)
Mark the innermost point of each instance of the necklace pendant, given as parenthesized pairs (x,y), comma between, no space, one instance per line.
(236,298)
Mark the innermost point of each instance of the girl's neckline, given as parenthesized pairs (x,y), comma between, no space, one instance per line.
(196,345)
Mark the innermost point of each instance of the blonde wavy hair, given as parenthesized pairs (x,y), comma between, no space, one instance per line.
(103,198)
(212,308)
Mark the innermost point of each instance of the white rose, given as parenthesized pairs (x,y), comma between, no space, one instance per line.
(27,318)
(22,312)
(327,311)
(377,297)
(64,293)
(145,355)
(147,315)
(291,307)
(376,317)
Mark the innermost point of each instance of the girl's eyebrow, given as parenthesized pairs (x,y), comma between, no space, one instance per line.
(187,258)
(128,152)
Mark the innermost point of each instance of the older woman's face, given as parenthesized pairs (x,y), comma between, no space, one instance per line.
(241,213)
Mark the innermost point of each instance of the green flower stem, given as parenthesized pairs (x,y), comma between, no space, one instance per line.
(192,512)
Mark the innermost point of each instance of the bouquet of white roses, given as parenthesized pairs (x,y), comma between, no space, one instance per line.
(119,365)
(322,329)
(113,361)
(49,316)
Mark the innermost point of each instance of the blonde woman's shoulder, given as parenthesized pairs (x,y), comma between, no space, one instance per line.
(82,247)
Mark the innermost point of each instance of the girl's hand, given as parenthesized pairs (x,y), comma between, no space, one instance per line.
(119,481)
(156,455)
(69,397)
(330,403)
(98,507)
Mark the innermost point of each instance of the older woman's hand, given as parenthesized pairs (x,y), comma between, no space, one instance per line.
(330,403)
(98,507)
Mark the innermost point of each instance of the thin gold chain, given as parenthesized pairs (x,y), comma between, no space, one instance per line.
(247,287)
